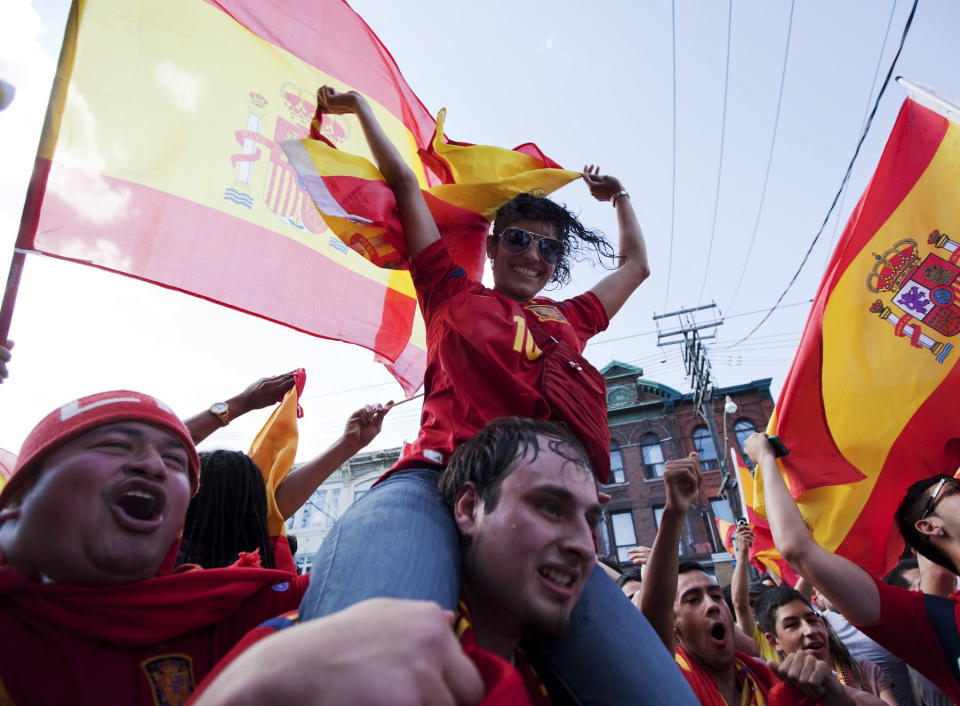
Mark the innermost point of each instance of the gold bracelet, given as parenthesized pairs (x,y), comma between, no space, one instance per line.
(613,199)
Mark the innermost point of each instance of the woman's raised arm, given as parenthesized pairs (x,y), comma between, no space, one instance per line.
(419,228)
(614,289)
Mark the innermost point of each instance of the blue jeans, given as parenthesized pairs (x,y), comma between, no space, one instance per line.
(399,541)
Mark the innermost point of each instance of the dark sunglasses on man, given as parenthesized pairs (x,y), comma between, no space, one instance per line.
(517,240)
(935,495)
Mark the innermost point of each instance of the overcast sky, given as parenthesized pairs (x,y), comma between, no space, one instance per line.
(590,83)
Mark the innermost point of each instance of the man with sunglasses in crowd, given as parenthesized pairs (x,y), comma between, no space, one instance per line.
(921,628)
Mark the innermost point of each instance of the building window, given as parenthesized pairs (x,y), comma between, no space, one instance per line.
(624,535)
(703,445)
(657,515)
(721,509)
(652,454)
(616,464)
(743,429)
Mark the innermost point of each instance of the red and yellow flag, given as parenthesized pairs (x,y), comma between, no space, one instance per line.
(359,206)
(726,531)
(7,463)
(161,160)
(871,403)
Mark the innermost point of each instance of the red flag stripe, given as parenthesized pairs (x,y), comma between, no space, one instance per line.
(336,40)
(212,255)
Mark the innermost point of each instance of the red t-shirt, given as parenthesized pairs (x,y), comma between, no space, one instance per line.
(913,628)
(482,361)
(44,662)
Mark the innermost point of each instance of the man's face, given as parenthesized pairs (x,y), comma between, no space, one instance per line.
(105,507)
(526,561)
(800,627)
(703,621)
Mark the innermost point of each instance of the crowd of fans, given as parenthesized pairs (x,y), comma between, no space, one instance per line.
(134,570)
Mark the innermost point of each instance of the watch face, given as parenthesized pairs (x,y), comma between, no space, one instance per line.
(219,408)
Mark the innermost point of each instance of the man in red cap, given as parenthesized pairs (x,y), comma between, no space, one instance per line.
(91,611)
(90,607)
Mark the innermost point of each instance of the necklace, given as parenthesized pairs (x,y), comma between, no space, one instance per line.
(841,673)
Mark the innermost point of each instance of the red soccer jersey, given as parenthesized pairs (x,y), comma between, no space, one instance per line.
(913,628)
(482,360)
(46,660)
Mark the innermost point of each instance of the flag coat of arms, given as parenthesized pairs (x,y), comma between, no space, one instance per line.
(161,159)
(871,402)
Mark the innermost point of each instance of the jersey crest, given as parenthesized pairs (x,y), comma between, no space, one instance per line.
(546,312)
(171,678)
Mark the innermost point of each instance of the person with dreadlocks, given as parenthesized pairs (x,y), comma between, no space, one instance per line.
(496,352)
(227,519)
(228,515)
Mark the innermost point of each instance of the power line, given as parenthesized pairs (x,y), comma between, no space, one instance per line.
(773,141)
(650,333)
(846,176)
(723,133)
(673,189)
(866,112)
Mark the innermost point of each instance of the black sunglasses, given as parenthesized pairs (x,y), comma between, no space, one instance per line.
(932,500)
(517,240)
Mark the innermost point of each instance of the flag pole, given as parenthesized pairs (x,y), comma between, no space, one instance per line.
(10,293)
(38,180)
(734,457)
(927,97)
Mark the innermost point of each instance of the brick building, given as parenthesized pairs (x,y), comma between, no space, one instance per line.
(651,422)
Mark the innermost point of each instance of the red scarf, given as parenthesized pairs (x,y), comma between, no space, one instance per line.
(506,684)
(759,686)
(137,613)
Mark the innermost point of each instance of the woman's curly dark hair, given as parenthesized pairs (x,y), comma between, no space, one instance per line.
(571,232)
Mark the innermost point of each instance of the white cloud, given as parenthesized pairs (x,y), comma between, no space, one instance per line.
(184,87)
(92,196)
(25,64)
(547,44)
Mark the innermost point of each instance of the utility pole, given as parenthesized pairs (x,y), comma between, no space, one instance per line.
(691,334)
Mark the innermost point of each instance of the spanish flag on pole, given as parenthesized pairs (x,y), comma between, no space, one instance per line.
(161,160)
(872,402)
(763,554)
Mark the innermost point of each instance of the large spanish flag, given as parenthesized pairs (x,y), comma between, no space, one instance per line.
(872,401)
(161,160)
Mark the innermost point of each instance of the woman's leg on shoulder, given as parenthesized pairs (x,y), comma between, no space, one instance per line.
(610,655)
(397,541)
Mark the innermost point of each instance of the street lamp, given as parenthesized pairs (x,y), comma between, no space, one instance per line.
(729,407)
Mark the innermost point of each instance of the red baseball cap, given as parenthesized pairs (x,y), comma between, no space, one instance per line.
(79,416)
